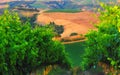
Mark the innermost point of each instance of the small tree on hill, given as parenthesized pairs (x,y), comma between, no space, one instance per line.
(58,29)
(103,45)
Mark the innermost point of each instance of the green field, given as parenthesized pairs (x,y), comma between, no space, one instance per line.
(65,10)
(39,5)
(74,51)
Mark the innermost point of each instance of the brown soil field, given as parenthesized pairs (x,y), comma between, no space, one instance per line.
(79,23)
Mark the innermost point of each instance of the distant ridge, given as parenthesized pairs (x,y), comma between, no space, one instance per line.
(55,4)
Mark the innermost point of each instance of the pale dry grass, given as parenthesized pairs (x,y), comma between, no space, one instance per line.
(118,1)
(28,13)
(108,69)
(80,22)
(4,1)
(4,6)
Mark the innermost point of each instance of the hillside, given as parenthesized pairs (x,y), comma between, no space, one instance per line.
(79,22)
(53,4)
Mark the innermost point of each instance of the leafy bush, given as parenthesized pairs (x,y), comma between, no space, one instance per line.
(23,48)
(73,34)
(103,45)
(31,19)
(65,40)
(58,29)
(28,9)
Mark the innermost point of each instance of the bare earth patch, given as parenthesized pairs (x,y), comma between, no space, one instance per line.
(79,23)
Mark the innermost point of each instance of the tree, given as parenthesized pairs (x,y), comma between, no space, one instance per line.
(24,48)
(31,19)
(103,45)
(58,29)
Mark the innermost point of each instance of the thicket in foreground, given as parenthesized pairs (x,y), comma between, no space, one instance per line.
(23,48)
(103,45)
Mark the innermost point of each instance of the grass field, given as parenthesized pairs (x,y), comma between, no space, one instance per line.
(74,52)
(39,5)
(65,10)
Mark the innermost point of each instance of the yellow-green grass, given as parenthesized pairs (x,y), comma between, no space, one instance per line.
(75,50)
(38,5)
(65,10)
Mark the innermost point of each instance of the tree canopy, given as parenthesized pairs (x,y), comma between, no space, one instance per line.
(24,48)
(103,45)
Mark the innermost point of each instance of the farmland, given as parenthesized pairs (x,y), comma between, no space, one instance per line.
(75,50)
(64,10)
(80,22)
(59,38)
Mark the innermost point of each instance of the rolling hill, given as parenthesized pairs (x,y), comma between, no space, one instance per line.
(53,4)
(80,22)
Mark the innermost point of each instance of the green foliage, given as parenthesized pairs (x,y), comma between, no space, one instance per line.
(103,45)
(28,9)
(73,34)
(56,70)
(39,4)
(65,10)
(31,19)
(75,51)
(58,29)
(23,48)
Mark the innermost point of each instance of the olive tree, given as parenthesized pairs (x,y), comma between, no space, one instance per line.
(103,44)
(24,48)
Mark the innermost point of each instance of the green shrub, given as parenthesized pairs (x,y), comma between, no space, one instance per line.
(58,29)
(31,19)
(23,48)
(73,34)
(65,40)
(103,45)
